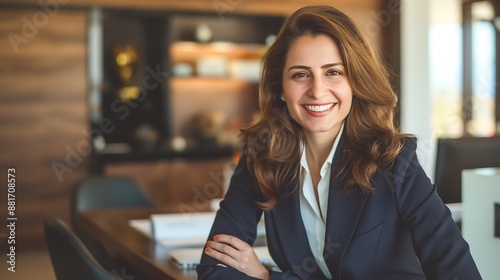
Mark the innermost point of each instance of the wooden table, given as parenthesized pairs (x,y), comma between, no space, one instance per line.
(112,230)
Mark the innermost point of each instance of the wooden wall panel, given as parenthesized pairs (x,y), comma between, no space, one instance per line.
(42,115)
(276,7)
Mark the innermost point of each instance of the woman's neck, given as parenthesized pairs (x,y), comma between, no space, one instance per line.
(318,146)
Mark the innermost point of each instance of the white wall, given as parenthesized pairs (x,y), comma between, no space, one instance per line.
(480,192)
(416,102)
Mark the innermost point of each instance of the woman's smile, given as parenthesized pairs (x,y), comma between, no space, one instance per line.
(319,109)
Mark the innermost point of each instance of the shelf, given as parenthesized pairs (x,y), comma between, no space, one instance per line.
(210,82)
(166,153)
(189,52)
(201,152)
(217,60)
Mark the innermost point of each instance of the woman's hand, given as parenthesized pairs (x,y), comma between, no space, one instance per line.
(238,254)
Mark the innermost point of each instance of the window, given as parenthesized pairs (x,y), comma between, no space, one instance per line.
(482,106)
(462,68)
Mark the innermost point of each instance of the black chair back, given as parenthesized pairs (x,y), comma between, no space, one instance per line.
(105,192)
(70,258)
(455,155)
(101,192)
(109,192)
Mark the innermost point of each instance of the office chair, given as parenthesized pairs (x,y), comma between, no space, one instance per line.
(70,258)
(455,155)
(101,192)
(105,192)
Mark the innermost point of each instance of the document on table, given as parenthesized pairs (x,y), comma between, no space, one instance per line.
(187,233)
(189,258)
(179,229)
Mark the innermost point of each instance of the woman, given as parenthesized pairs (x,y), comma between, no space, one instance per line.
(342,192)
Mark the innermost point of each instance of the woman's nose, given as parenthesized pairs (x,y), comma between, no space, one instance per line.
(317,88)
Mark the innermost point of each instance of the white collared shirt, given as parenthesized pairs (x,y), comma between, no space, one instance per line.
(314,215)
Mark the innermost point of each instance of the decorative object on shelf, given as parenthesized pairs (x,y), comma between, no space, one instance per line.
(212,66)
(146,136)
(126,59)
(182,69)
(270,39)
(245,69)
(205,127)
(203,33)
(178,144)
(99,143)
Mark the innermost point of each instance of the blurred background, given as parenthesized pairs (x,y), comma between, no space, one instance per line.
(157,90)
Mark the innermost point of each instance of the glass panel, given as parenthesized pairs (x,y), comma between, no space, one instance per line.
(483,71)
(445,68)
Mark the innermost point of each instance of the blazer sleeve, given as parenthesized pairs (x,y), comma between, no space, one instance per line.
(238,215)
(442,251)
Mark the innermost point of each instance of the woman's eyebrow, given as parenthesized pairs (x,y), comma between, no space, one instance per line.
(332,65)
(309,68)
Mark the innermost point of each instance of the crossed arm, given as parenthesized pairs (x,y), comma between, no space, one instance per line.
(234,252)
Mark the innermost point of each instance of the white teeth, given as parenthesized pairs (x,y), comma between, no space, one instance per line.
(318,108)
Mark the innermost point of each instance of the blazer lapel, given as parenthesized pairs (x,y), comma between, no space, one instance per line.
(343,215)
(293,237)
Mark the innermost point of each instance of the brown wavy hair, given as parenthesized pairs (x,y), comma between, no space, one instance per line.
(371,138)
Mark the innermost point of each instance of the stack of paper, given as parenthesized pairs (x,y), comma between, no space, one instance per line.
(179,229)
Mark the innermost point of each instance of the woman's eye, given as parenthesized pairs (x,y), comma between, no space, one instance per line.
(334,73)
(299,75)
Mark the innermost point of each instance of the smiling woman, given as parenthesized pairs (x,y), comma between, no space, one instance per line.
(323,40)
(341,189)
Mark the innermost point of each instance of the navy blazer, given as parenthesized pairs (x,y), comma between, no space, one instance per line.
(402,231)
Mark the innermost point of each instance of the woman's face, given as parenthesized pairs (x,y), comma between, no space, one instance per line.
(315,86)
